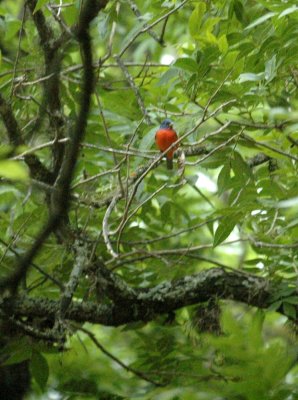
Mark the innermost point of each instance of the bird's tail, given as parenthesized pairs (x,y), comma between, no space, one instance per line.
(169,163)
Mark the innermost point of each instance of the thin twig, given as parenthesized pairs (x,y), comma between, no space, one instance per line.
(209,135)
(94,177)
(177,251)
(206,108)
(105,226)
(37,169)
(134,88)
(258,243)
(127,160)
(128,217)
(15,235)
(272,223)
(292,140)
(109,140)
(41,271)
(163,31)
(56,15)
(175,234)
(195,187)
(267,146)
(141,375)
(147,27)
(137,12)
(108,54)
(222,145)
(21,31)
(136,153)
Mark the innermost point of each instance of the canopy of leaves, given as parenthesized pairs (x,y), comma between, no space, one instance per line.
(117,275)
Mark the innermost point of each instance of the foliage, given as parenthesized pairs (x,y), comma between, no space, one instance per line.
(226,73)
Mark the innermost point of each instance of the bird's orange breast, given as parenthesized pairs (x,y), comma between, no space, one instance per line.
(164,138)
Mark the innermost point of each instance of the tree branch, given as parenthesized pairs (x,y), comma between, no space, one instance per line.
(135,89)
(146,27)
(136,11)
(140,374)
(147,304)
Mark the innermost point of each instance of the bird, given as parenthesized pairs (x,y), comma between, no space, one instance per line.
(164,137)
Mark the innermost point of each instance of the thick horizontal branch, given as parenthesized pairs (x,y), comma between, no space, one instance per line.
(146,304)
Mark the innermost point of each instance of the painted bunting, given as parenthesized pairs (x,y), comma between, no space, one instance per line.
(164,137)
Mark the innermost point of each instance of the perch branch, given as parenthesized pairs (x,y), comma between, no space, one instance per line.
(146,304)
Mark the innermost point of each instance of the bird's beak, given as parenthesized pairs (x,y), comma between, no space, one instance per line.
(171,126)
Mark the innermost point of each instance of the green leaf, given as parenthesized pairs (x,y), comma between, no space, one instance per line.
(148,139)
(167,77)
(270,69)
(188,64)
(12,27)
(217,159)
(292,300)
(2,22)
(275,306)
(260,20)
(196,18)
(289,310)
(102,24)
(165,212)
(251,77)
(238,10)
(291,202)
(288,11)
(84,388)
(241,169)
(39,369)
(39,5)
(224,228)
(70,14)
(16,351)
(223,44)
(255,329)
(210,23)
(224,178)
(210,226)
(131,33)
(230,59)
(13,170)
